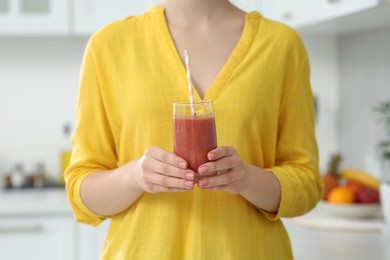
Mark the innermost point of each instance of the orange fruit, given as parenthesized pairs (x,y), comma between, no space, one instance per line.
(341,195)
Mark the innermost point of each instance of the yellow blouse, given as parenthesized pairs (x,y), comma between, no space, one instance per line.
(130,77)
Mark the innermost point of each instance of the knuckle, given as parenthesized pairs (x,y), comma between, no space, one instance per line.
(230,162)
(154,148)
(166,157)
(177,173)
(230,150)
(165,168)
(225,150)
(212,167)
(144,165)
(222,172)
(164,181)
(228,177)
(149,151)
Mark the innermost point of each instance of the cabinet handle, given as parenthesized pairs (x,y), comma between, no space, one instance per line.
(334,1)
(21,229)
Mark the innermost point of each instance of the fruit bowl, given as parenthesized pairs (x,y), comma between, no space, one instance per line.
(353,210)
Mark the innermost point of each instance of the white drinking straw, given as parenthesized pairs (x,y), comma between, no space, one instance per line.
(189,79)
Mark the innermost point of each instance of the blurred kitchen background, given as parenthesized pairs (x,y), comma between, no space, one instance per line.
(41,48)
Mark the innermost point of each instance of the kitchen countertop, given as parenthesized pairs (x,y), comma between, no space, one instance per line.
(322,236)
(308,242)
(33,202)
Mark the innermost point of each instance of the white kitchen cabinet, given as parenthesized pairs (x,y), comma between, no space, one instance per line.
(90,15)
(301,13)
(38,225)
(37,238)
(38,17)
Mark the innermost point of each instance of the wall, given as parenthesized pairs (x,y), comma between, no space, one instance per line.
(323,54)
(38,92)
(365,80)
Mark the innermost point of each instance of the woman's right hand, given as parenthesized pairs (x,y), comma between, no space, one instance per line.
(161,171)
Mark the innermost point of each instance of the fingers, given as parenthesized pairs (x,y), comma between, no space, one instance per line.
(165,169)
(162,155)
(224,170)
(162,171)
(160,161)
(225,159)
(220,152)
(158,189)
(218,180)
(232,181)
(161,183)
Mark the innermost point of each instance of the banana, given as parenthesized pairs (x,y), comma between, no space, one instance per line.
(361,177)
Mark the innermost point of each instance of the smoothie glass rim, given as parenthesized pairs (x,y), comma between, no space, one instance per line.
(195,102)
(183,107)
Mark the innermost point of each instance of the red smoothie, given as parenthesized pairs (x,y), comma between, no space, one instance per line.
(195,136)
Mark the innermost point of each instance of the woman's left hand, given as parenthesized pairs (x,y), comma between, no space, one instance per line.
(225,171)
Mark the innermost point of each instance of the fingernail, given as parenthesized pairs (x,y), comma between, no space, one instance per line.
(182,165)
(189,184)
(212,156)
(203,183)
(203,170)
(189,176)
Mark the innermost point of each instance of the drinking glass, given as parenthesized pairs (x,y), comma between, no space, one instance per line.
(194,132)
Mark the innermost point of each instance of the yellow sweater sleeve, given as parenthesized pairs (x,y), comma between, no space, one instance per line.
(93,143)
(296,162)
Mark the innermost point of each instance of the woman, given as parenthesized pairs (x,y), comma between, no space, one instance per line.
(256,72)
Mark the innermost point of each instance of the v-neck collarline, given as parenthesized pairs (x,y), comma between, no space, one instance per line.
(235,57)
